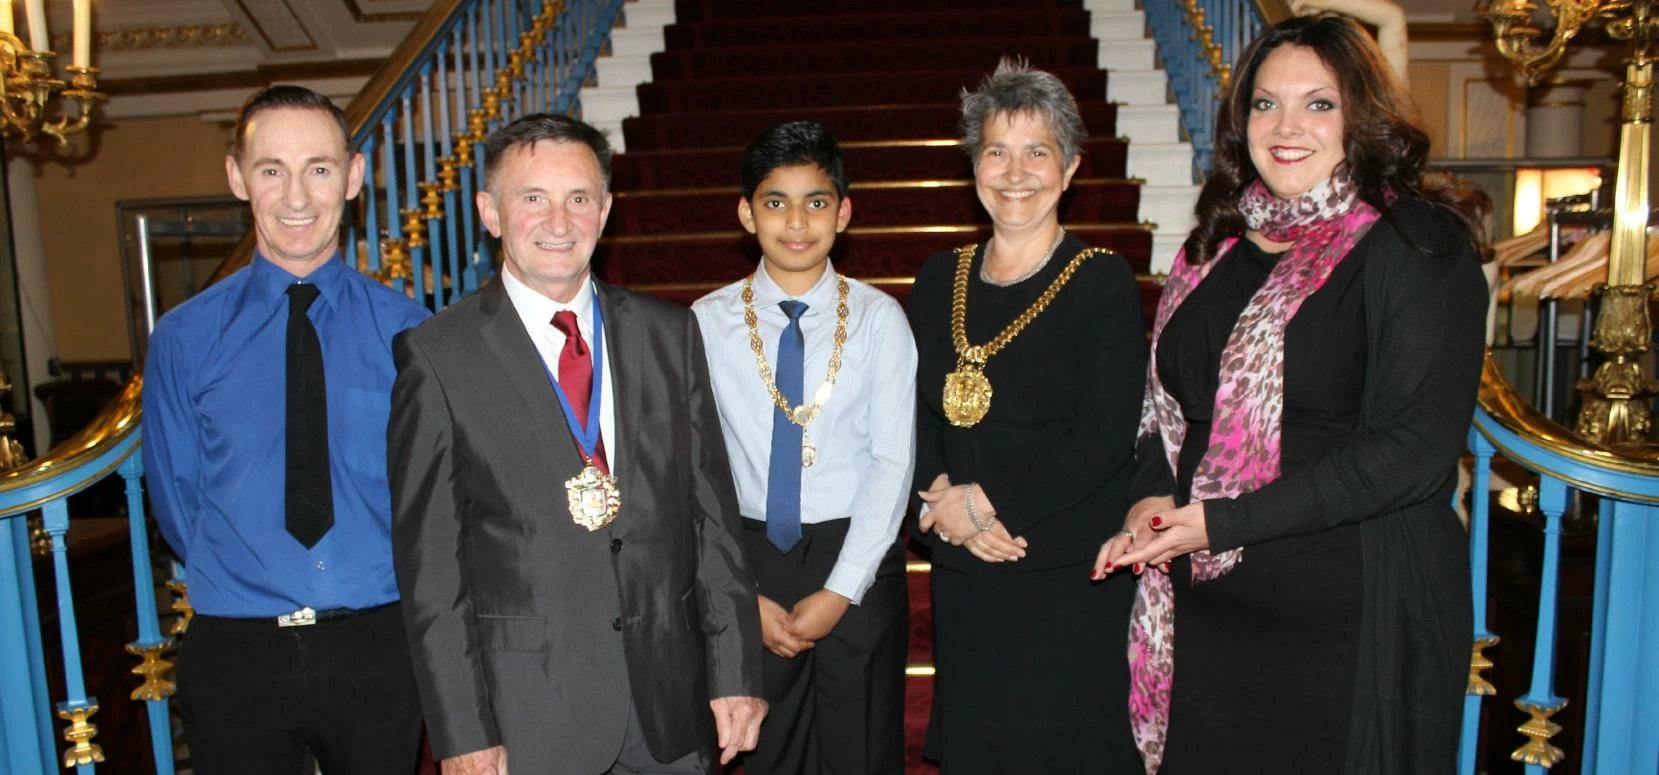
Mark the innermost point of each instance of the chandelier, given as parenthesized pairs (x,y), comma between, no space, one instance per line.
(32,100)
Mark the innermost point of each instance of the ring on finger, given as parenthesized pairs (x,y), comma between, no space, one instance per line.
(1127,533)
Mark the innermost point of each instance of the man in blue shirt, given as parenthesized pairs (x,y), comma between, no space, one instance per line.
(265,410)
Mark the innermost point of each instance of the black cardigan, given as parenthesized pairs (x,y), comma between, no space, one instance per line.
(1425,312)
(1055,452)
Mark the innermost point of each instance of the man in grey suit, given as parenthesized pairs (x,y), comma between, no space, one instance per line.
(566,534)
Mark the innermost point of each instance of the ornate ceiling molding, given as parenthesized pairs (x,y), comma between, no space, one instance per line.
(224,35)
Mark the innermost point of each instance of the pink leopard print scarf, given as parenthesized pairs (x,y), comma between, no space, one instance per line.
(1243,453)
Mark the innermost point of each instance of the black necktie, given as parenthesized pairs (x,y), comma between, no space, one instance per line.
(309,495)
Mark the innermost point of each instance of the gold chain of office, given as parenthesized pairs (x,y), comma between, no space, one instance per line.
(967,391)
(804,414)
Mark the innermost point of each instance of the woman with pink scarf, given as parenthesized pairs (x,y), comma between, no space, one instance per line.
(1304,599)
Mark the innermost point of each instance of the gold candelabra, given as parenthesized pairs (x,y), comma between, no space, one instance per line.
(27,92)
(1614,410)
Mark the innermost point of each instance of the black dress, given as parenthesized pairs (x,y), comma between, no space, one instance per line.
(1272,659)
(1030,654)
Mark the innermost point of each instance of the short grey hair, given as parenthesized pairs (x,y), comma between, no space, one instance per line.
(1017,87)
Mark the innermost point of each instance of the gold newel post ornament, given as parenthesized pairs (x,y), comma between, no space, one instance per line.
(1614,408)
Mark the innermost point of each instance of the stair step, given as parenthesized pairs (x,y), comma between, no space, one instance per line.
(1168,208)
(622,71)
(1149,123)
(1138,87)
(1117,26)
(1160,164)
(728,254)
(637,41)
(1109,6)
(648,13)
(795,91)
(1133,54)
(895,203)
(849,124)
(1165,245)
(606,105)
(742,9)
(1103,157)
(842,58)
(901,28)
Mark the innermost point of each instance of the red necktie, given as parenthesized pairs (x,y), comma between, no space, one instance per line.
(576,377)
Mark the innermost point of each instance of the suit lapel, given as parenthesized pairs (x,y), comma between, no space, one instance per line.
(504,335)
(624,348)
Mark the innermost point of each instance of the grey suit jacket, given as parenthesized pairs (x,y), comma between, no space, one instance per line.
(527,630)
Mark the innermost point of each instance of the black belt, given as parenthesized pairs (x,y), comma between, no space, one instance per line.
(308,616)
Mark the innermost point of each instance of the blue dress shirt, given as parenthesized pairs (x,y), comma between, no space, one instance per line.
(214,425)
(865,433)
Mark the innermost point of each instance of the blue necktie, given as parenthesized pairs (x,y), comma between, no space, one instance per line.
(783,480)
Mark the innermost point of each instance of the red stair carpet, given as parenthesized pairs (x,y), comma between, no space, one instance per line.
(884,75)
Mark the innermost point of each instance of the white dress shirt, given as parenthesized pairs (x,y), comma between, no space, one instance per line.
(865,433)
(536,311)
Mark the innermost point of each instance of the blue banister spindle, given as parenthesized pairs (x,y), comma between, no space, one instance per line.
(1598,632)
(1480,508)
(388,171)
(1540,701)
(371,206)
(28,736)
(452,103)
(151,645)
(411,194)
(77,708)
(429,102)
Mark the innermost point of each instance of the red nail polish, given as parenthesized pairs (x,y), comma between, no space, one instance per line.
(1164,567)
(1139,567)
(1157,521)
(1110,567)
(1096,575)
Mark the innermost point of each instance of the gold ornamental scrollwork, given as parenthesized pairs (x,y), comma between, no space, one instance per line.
(1538,730)
(79,734)
(1479,663)
(154,669)
(181,606)
(1615,408)
(1517,39)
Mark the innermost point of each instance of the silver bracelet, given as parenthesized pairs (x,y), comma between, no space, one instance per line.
(973,516)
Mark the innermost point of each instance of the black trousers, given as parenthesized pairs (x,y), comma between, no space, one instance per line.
(838,707)
(257,698)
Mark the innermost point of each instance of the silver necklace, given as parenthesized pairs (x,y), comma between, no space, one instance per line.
(985,276)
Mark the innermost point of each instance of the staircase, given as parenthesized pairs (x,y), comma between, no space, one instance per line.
(885,77)
(689,83)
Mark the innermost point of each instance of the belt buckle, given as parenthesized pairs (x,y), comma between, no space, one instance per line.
(304,617)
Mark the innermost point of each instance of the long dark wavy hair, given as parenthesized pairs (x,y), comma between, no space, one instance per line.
(1385,145)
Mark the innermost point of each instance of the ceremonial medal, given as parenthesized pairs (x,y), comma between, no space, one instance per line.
(804,414)
(593,495)
(967,396)
(594,498)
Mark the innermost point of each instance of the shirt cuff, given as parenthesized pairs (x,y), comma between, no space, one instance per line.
(849,581)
